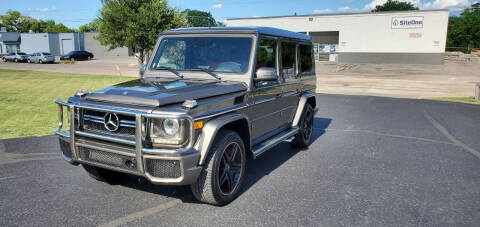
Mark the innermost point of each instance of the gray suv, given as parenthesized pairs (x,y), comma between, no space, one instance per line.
(208,99)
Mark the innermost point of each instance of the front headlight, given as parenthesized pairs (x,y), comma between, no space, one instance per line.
(169,132)
(171,126)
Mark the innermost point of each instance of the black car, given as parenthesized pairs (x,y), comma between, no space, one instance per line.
(77,55)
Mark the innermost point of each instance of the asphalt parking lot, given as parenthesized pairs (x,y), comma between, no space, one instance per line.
(374,162)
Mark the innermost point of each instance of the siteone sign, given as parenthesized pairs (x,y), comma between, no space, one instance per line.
(407,22)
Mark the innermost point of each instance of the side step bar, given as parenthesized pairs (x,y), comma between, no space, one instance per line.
(264,146)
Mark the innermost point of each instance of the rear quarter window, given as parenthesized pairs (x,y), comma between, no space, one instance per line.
(305,58)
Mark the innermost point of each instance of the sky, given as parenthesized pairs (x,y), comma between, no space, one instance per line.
(74,13)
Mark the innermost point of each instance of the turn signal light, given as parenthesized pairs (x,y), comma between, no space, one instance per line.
(197,124)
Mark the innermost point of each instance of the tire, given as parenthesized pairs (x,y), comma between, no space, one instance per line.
(28,60)
(89,58)
(72,59)
(209,188)
(40,62)
(304,136)
(16,60)
(104,175)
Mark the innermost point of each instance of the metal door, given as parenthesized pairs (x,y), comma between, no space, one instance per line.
(67,46)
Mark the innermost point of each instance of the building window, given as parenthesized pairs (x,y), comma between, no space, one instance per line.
(12,48)
(305,61)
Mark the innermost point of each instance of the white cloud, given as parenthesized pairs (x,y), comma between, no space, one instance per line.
(46,9)
(447,4)
(435,4)
(218,6)
(345,9)
(374,3)
(320,11)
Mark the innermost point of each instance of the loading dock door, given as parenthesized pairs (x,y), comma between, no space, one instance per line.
(67,46)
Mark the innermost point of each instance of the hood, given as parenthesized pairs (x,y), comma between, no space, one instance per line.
(155,92)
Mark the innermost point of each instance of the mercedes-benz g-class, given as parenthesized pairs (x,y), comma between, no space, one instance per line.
(208,99)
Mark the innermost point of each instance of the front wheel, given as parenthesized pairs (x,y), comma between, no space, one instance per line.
(220,181)
(304,136)
(105,175)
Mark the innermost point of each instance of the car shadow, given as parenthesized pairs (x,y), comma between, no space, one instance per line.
(256,169)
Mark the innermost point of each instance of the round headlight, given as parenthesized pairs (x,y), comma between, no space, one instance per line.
(171,126)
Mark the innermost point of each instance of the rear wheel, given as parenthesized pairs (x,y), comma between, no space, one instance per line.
(16,59)
(89,58)
(222,176)
(304,136)
(104,175)
(40,61)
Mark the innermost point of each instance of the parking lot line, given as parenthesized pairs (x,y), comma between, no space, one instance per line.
(6,178)
(143,213)
(445,132)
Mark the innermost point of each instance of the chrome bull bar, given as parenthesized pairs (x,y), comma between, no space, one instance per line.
(138,142)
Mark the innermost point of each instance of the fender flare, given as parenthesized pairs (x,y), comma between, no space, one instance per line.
(210,130)
(301,105)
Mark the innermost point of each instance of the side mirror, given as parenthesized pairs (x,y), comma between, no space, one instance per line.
(143,67)
(266,74)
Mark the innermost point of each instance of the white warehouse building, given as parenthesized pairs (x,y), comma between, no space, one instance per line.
(408,37)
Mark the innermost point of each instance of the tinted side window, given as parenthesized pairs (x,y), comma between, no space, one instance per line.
(288,59)
(305,58)
(266,53)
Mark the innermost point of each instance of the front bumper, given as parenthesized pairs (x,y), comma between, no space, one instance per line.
(159,166)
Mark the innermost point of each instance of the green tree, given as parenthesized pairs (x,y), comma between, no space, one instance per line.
(14,21)
(464,30)
(395,5)
(197,18)
(90,27)
(135,23)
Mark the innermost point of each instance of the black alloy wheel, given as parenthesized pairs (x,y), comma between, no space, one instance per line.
(230,168)
(223,171)
(304,136)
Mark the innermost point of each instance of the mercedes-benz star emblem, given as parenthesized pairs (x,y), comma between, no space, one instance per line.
(111,122)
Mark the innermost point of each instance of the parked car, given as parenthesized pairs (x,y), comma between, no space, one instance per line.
(41,57)
(77,55)
(208,99)
(16,57)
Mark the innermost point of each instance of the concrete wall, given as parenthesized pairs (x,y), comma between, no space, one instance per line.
(370,33)
(94,46)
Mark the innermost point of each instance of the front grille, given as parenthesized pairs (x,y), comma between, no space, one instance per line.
(164,168)
(65,147)
(93,121)
(107,158)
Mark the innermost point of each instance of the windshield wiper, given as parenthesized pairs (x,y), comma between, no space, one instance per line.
(170,70)
(208,72)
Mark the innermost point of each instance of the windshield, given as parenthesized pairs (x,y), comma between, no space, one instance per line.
(216,54)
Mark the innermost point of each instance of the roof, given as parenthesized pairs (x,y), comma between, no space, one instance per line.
(9,37)
(344,14)
(260,30)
